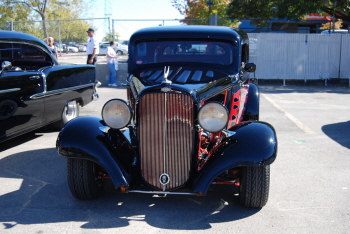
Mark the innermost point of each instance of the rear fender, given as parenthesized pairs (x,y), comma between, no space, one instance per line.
(248,144)
(82,138)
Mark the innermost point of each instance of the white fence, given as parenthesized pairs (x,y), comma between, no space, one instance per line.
(300,56)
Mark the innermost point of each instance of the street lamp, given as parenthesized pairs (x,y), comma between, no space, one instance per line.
(209,4)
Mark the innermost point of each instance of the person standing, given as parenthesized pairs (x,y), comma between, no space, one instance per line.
(50,42)
(92,48)
(112,60)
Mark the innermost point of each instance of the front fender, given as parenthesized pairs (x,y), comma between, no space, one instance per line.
(82,138)
(251,143)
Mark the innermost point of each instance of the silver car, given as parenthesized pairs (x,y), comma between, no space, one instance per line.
(119,49)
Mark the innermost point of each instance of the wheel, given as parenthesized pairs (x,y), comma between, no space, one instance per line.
(83,179)
(7,109)
(70,111)
(254,188)
(119,52)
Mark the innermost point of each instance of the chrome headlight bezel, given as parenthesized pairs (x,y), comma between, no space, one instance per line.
(213,117)
(121,116)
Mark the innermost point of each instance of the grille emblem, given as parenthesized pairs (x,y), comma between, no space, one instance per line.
(165,89)
(164,179)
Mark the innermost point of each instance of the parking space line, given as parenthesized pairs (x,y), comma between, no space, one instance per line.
(294,120)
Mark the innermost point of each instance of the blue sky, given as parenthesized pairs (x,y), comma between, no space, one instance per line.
(135,9)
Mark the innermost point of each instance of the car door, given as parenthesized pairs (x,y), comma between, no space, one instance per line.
(20,110)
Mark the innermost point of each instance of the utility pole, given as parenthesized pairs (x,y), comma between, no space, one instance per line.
(209,4)
(108,14)
(333,26)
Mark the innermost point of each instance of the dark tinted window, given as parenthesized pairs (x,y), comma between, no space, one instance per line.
(184,51)
(5,51)
(15,51)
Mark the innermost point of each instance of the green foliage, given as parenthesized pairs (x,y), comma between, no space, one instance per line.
(198,9)
(111,37)
(261,10)
(48,11)
(329,25)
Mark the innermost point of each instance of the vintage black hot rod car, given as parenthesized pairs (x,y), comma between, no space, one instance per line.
(35,90)
(191,120)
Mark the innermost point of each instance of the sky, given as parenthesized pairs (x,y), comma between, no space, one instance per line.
(134,9)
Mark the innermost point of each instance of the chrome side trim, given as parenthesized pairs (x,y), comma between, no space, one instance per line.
(59,91)
(162,192)
(9,90)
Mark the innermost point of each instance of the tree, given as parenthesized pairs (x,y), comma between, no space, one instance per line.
(262,10)
(329,25)
(28,10)
(111,37)
(199,9)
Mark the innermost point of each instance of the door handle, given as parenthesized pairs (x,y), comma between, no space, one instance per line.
(34,77)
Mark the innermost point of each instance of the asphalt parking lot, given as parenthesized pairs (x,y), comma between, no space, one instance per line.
(310,180)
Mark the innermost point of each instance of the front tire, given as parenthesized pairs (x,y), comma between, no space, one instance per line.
(254,188)
(83,180)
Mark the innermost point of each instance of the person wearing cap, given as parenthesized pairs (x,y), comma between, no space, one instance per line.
(92,48)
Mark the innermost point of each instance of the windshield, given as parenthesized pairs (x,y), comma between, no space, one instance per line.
(184,51)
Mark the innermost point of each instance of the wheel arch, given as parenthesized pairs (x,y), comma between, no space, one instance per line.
(253,144)
(81,138)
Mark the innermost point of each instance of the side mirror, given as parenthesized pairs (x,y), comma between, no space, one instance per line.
(250,67)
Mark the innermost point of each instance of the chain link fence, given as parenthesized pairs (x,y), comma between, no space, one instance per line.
(63,31)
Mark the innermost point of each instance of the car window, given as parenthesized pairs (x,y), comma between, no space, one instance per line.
(29,52)
(13,51)
(184,51)
(5,52)
(24,56)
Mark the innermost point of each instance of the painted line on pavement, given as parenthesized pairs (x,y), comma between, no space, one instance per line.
(297,122)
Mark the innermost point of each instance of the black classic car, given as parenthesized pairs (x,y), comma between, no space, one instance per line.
(191,120)
(35,90)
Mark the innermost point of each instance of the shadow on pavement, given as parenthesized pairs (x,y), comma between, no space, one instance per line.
(16,141)
(339,132)
(38,193)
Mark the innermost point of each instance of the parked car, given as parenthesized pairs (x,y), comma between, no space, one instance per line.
(119,49)
(103,48)
(191,119)
(81,48)
(72,49)
(35,90)
(59,47)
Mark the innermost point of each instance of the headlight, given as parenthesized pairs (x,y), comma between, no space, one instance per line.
(213,117)
(116,113)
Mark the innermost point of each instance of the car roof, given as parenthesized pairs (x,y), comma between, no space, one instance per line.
(186,31)
(11,36)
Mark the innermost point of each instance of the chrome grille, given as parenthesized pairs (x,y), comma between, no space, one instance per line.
(166,138)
